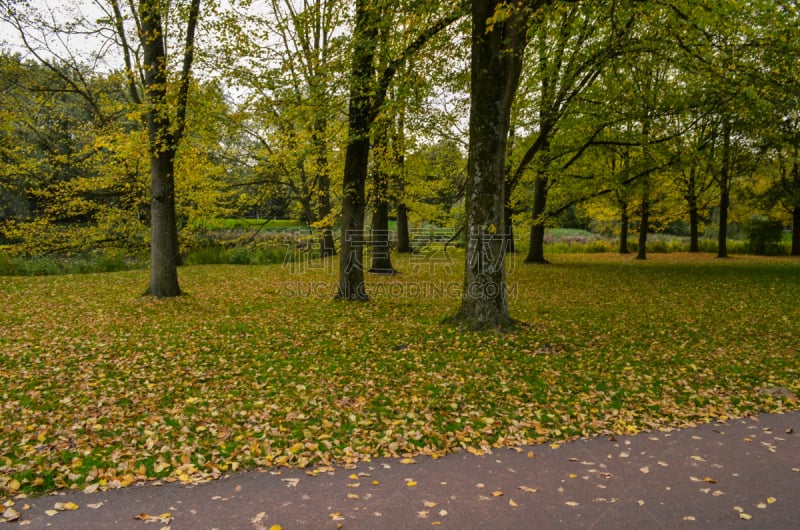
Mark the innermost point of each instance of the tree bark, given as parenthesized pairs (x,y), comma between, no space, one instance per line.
(724,193)
(694,213)
(351,256)
(323,180)
(643,227)
(403,237)
(536,248)
(624,227)
(496,64)
(796,231)
(164,136)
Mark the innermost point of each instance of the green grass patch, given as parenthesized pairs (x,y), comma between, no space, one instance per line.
(260,366)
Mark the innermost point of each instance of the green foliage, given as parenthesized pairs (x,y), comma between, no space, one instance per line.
(261,367)
(764,235)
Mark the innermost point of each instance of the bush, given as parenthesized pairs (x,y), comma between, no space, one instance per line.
(763,235)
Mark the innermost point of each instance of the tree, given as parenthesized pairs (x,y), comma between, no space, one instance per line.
(165,131)
(368,90)
(499,38)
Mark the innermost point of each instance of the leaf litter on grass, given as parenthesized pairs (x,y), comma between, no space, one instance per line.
(104,388)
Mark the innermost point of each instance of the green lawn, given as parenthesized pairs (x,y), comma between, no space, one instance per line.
(259,366)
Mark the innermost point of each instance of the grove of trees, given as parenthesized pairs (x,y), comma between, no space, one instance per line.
(128,127)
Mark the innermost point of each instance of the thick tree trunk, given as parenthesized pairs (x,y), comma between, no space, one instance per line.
(643,227)
(624,227)
(536,247)
(496,64)
(164,253)
(796,231)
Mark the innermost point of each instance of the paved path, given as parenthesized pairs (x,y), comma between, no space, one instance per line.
(738,474)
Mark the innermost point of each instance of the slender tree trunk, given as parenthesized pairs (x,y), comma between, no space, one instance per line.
(624,227)
(496,64)
(694,213)
(694,226)
(796,231)
(508,214)
(323,186)
(379,240)
(724,193)
(403,238)
(536,247)
(164,136)
(356,161)
(643,227)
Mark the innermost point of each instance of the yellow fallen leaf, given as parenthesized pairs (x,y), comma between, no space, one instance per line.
(771,500)
(376,482)
(352,496)
(644,470)
(51,513)
(276,527)
(497,494)
(709,480)
(336,516)
(353,477)
(761,505)
(63,506)
(411,483)
(572,503)
(573,475)
(745,516)
(689,518)
(640,502)
(512,503)
(429,504)
(408,461)
(531,454)
(527,489)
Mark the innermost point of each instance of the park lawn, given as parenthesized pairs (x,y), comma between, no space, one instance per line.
(259,366)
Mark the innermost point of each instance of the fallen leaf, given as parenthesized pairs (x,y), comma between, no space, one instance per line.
(572,503)
(164,518)
(443,513)
(689,518)
(709,480)
(531,454)
(512,503)
(429,504)
(258,518)
(527,489)
(644,470)
(497,494)
(745,516)
(10,514)
(336,516)
(761,505)
(771,500)
(408,461)
(411,483)
(276,527)
(352,496)
(64,506)
(51,513)
(640,502)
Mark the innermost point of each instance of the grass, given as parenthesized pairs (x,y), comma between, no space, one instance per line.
(260,366)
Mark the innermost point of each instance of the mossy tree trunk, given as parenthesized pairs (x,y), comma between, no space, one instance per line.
(496,64)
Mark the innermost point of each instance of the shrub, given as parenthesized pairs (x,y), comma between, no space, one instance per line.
(763,235)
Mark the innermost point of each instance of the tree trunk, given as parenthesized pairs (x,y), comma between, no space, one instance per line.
(694,213)
(724,193)
(624,227)
(496,64)
(536,248)
(796,231)
(643,227)
(403,238)
(508,213)
(327,246)
(356,161)
(694,226)
(164,136)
